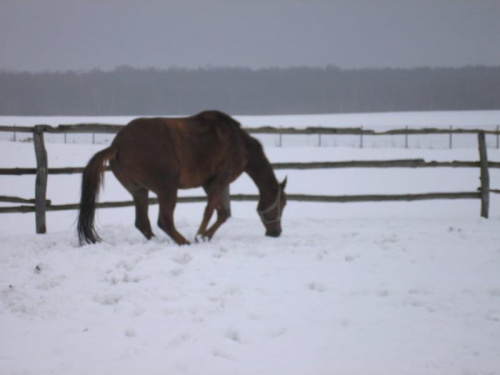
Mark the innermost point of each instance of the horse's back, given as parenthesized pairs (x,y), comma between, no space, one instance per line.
(191,149)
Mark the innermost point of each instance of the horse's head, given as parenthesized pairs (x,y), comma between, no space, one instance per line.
(270,211)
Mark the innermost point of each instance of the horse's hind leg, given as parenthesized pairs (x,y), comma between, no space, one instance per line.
(140,196)
(142,223)
(167,199)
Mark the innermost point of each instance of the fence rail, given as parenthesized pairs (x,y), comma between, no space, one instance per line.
(403,163)
(40,205)
(111,129)
(98,128)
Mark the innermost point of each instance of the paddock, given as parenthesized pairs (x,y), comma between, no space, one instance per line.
(351,288)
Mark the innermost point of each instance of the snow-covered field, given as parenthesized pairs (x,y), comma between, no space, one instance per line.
(362,288)
(487,120)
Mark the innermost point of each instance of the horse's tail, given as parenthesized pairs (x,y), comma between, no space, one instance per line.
(91,182)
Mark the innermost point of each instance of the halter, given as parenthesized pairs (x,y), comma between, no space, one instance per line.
(276,204)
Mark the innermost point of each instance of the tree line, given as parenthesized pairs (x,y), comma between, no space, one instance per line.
(242,91)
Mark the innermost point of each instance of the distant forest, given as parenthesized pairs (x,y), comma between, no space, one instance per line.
(241,91)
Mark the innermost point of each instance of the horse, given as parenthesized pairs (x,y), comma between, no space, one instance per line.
(162,155)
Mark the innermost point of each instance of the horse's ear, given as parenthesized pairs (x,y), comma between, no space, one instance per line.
(283,184)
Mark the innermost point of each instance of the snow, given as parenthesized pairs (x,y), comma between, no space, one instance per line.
(485,119)
(468,119)
(362,288)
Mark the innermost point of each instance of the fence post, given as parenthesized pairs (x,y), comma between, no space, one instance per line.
(451,137)
(406,137)
(361,138)
(226,200)
(41,179)
(498,143)
(485,177)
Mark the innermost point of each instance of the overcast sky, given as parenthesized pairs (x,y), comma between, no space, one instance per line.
(38,35)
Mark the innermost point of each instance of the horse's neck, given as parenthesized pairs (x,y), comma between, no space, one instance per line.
(261,172)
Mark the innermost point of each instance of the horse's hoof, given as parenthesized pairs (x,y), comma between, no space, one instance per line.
(201,238)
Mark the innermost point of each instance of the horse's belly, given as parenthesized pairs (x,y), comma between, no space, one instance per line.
(191,180)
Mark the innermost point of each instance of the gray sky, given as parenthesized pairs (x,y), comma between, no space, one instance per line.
(53,35)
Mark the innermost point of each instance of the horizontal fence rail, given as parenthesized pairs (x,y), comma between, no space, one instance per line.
(111,129)
(403,163)
(40,204)
(251,198)
(99,128)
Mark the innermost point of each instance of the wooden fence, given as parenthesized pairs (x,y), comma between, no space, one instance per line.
(92,128)
(40,205)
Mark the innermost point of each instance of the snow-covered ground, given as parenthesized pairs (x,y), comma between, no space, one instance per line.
(468,119)
(361,288)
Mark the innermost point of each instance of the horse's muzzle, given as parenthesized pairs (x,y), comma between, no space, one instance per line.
(274,233)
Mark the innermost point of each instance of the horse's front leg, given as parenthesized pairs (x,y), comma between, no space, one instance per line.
(207,215)
(222,216)
(215,194)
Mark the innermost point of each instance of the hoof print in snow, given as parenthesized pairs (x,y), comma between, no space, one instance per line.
(318,287)
(278,332)
(108,299)
(39,268)
(183,258)
(345,322)
(221,354)
(130,332)
(233,336)
(383,293)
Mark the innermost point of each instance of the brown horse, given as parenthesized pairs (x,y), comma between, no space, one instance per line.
(163,155)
